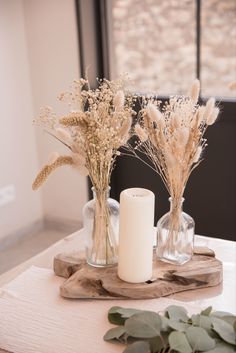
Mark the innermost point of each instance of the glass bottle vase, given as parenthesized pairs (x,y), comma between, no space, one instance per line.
(101,224)
(175,235)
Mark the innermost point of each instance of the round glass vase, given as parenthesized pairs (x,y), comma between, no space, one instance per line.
(175,235)
(101,225)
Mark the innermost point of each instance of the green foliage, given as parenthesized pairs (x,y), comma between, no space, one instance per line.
(118,315)
(224,330)
(199,339)
(177,313)
(138,347)
(146,324)
(178,342)
(174,332)
(207,311)
(114,333)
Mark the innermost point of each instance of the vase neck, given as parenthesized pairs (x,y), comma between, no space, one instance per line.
(105,193)
(176,204)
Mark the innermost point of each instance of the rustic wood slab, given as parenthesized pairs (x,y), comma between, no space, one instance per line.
(85,281)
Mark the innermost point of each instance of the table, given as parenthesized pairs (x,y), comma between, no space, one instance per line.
(221,297)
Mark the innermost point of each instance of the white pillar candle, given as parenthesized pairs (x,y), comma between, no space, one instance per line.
(136,235)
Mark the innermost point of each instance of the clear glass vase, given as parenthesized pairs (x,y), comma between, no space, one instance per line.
(175,235)
(101,224)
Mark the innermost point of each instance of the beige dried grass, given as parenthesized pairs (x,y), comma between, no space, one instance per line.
(175,142)
(97,125)
(49,168)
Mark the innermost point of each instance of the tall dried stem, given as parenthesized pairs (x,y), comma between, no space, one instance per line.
(172,140)
(97,125)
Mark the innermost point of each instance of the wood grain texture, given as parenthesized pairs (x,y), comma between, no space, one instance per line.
(35,319)
(84,281)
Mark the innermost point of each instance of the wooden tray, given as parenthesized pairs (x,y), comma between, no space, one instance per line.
(87,282)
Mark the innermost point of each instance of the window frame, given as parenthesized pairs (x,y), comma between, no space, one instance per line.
(94,26)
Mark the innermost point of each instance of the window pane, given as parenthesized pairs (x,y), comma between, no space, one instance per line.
(218,57)
(154,41)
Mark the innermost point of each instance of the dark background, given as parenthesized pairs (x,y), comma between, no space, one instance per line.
(210,196)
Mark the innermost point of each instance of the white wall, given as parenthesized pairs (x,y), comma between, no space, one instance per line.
(18,156)
(38,60)
(54,61)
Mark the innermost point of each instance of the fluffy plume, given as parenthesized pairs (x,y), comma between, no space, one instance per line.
(79,163)
(125,128)
(209,107)
(49,168)
(170,160)
(182,136)
(52,157)
(119,100)
(176,120)
(197,154)
(63,135)
(200,114)
(213,116)
(141,133)
(73,119)
(154,114)
(195,90)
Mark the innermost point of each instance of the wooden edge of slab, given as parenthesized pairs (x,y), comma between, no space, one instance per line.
(66,264)
(87,282)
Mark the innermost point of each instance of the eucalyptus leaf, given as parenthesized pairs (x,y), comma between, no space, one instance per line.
(176,325)
(202,321)
(230,319)
(128,312)
(138,347)
(165,323)
(114,333)
(222,347)
(178,342)
(115,317)
(118,315)
(207,311)
(158,343)
(224,330)
(144,325)
(221,314)
(177,313)
(199,339)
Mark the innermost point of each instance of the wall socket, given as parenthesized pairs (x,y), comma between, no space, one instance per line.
(7,194)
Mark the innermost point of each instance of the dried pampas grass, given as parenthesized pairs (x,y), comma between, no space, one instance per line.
(119,100)
(172,139)
(140,132)
(195,90)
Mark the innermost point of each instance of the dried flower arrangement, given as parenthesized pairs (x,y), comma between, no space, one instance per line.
(97,125)
(172,141)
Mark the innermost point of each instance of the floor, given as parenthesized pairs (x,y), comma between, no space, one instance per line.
(28,247)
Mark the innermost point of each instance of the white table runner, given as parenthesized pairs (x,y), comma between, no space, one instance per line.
(35,319)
